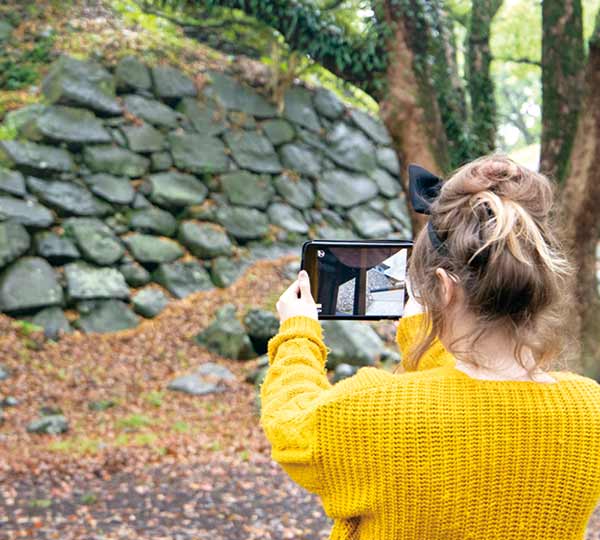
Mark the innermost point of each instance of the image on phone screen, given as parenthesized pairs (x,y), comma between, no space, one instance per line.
(351,281)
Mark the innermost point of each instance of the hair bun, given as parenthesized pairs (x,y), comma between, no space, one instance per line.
(483,175)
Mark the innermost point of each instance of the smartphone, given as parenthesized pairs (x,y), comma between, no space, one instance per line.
(357,279)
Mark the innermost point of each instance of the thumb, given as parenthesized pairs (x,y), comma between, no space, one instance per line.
(304,282)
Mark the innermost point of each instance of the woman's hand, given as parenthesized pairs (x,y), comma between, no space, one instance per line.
(297,300)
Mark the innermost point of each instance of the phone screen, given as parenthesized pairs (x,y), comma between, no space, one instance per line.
(358,280)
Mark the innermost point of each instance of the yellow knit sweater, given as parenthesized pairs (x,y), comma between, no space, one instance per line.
(432,454)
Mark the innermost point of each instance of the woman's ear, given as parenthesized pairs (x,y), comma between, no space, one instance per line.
(448,285)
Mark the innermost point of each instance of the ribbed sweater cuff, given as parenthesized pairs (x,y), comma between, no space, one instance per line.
(295,327)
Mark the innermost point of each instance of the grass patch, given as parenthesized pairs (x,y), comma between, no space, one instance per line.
(79,445)
(181,427)
(134,422)
(40,503)
(154,398)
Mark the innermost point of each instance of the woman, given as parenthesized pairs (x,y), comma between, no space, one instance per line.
(475,439)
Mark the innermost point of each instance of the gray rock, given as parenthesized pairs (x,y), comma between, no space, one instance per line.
(388,159)
(194,385)
(296,191)
(224,271)
(152,111)
(206,117)
(241,119)
(398,210)
(135,274)
(28,213)
(243,223)
(50,425)
(114,189)
(174,189)
(302,159)
(29,283)
(160,161)
(327,103)
(14,242)
(87,282)
(204,240)
(198,153)
(253,151)
(278,131)
(56,249)
(131,74)
(351,342)
(216,371)
(153,220)
(53,321)
(247,189)
(170,83)
(83,84)
(32,158)
(290,219)
(149,249)
(368,222)
(350,148)
(115,160)
(68,198)
(335,233)
(226,336)
(371,126)
(19,117)
(4,373)
(261,326)
(149,302)
(95,240)
(182,278)
(107,316)
(144,138)
(231,94)
(9,401)
(345,189)
(73,126)
(387,184)
(343,371)
(118,137)
(12,182)
(298,108)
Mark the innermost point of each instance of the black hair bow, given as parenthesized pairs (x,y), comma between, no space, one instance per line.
(424,188)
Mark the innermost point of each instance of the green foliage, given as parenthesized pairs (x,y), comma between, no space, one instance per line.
(7,132)
(134,422)
(40,503)
(26,328)
(155,398)
(20,67)
(88,498)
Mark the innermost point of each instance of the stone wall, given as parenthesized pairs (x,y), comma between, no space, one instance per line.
(134,177)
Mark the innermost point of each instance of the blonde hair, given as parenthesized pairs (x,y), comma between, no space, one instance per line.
(495,219)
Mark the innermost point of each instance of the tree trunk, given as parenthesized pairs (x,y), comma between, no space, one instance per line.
(562,73)
(581,215)
(481,86)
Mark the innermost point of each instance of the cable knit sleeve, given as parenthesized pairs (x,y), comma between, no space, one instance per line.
(407,332)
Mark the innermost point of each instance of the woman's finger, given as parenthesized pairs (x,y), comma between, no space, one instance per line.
(292,291)
(304,284)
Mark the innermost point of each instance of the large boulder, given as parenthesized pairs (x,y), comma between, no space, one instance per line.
(143,138)
(278,131)
(131,74)
(296,191)
(83,84)
(149,302)
(351,342)
(14,242)
(54,248)
(87,282)
(182,278)
(95,240)
(247,189)
(350,148)
(106,316)
(388,159)
(32,158)
(12,182)
(115,160)
(148,249)
(327,103)
(153,220)
(52,424)
(204,240)
(298,108)
(68,198)
(172,84)
(231,94)
(67,124)
(261,326)
(224,271)
(226,336)
(198,153)
(243,223)
(371,126)
(206,117)
(29,283)
(301,158)
(114,189)
(28,212)
(368,222)
(287,217)
(174,189)
(387,184)
(345,189)
(253,151)
(152,111)
(53,321)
